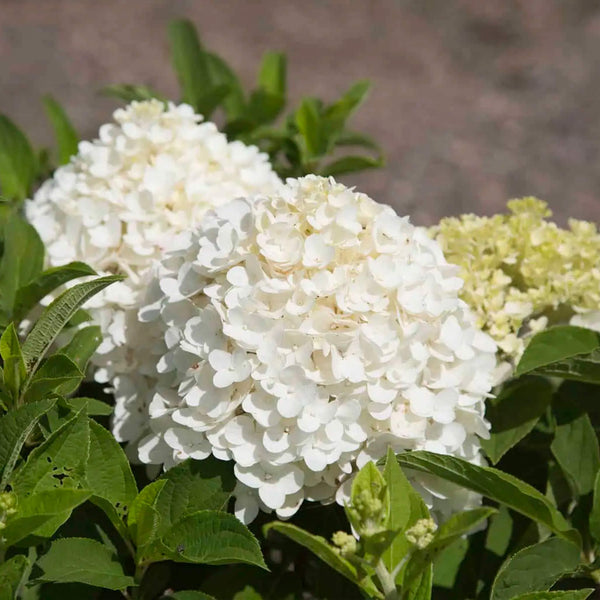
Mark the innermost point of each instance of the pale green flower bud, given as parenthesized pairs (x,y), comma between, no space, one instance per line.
(8,503)
(346,543)
(421,533)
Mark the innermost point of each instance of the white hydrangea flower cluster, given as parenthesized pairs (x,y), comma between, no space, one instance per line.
(304,333)
(152,173)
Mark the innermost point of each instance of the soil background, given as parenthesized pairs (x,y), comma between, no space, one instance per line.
(474,101)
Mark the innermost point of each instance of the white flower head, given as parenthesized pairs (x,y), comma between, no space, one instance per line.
(304,333)
(151,175)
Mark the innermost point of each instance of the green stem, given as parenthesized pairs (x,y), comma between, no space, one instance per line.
(387,582)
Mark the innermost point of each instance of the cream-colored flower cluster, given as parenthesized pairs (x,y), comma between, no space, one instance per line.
(151,174)
(523,272)
(304,333)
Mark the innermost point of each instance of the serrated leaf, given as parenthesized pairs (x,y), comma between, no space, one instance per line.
(193,486)
(29,295)
(22,260)
(575,447)
(535,568)
(57,463)
(350,164)
(64,132)
(36,511)
(130,93)
(80,349)
(494,484)
(56,374)
(85,561)
(15,428)
(323,550)
(109,476)
(567,595)
(214,538)
(11,574)
(143,519)
(557,344)
(18,163)
(91,407)
(190,62)
(14,370)
(514,414)
(57,315)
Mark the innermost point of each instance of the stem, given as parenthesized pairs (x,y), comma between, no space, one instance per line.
(387,582)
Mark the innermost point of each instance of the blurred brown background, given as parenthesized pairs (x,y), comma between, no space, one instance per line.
(474,101)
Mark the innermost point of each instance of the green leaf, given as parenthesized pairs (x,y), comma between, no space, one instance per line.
(57,315)
(340,111)
(401,508)
(319,547)
(14,368)
(447,564)
(494,484)
(57,463)
(18,163)
(210,100)
(89,406)
(368,489)
(130,93)
(214,538)
(188,595)
(499,532)
(351,164)
(29,295)
(83,560)
(56,374)
(21,262)
(420,589)
(190,63)
(308,121)
(15,428)
(594,514)
(11,574)
(272,76)
(80,349)
(193,486)
(64,132)
(37,511)
(575,447)
(248,593)
(354,138)
(557,344)
(568,595)
(535,568)
(514,414)
(143,520)
(109,476)
(457,526)
(221,73)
